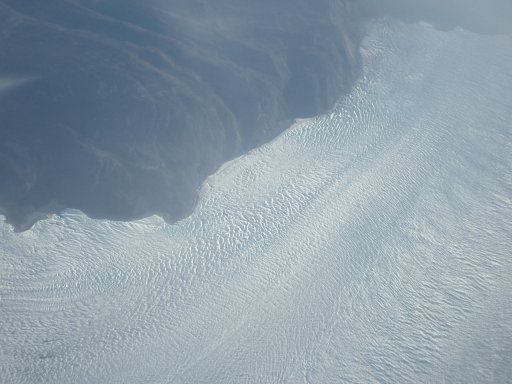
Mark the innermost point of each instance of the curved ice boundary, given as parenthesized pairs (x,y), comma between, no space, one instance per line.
(368,245)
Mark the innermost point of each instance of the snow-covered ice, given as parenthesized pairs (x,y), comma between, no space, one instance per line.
(372,244)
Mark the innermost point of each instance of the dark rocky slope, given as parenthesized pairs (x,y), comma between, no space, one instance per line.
(121,108)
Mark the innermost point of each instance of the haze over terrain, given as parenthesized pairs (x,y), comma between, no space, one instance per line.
(482,16)
(369,241)
(369,244)
(122,108)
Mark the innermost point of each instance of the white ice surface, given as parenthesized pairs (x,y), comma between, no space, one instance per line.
(370,245)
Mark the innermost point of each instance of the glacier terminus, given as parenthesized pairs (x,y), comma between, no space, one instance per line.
(371,244)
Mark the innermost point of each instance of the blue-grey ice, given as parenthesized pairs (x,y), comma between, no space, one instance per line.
(369,245)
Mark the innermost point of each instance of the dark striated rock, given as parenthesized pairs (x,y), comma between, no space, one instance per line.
(121,108)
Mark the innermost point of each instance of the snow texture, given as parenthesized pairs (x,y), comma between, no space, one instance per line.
(372,244)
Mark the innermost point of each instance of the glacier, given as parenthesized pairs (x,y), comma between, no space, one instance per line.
(371,244)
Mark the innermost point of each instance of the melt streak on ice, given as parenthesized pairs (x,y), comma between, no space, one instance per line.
(372,244)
